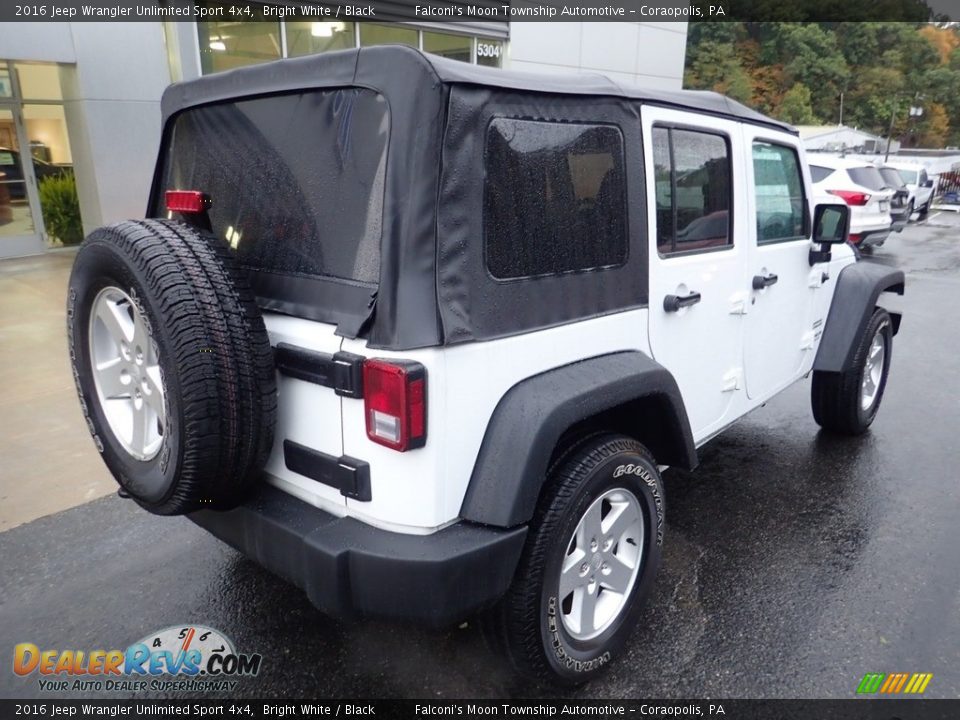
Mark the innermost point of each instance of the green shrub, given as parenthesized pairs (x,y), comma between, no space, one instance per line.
(61,208)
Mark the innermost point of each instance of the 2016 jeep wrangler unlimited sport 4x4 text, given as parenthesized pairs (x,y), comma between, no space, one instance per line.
(419,336)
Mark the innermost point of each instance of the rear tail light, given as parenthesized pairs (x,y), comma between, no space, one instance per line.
(855,238)
(395,403)
(851,197)
(187,201)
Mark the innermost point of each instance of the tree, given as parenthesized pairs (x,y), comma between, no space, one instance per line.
(797,70)
(796,107)
(715,66)
(946,40)
(813,58)
(935,128)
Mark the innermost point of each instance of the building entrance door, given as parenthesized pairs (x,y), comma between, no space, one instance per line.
(21,223)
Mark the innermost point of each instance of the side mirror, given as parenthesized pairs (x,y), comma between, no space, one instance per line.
(831,226)
(928,183)
(831,223)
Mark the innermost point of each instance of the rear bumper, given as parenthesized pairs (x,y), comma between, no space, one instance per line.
(350,569)
(877,237)
(867,236)
(898,219)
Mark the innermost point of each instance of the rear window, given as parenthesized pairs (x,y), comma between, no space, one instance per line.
(892,177)
(296,180)
(818,173)
(868,177)
(555,198)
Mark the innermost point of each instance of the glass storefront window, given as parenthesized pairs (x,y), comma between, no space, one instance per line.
(374,34)
(38,82)
(6,88)
(46,127)
(306,38)
(15,215)
(47,133)
(225,45)
(456,47)
(489,52)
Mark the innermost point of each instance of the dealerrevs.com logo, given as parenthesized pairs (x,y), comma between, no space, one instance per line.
(190,657)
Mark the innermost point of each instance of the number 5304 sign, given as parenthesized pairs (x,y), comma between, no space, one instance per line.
(488,50)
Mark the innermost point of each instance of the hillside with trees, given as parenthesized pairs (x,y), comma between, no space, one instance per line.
(797,71)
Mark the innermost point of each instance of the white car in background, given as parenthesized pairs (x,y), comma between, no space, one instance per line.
(861,186)
(919,184)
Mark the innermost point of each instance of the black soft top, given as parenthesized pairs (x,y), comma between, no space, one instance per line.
(433,288)
(337,68)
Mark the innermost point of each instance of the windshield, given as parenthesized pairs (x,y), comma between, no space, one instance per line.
(869,177)
(909,176)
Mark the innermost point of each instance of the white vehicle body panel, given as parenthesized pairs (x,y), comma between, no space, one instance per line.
(422,490)
(307,413)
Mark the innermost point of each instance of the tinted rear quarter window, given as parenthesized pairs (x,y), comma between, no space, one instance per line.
(555,198)
(819,173)
(296,180)
(868,177)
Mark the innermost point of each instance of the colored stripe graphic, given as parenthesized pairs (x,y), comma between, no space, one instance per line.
(918,683)
(903,679)
(894,683)
(870,683)
(889,682)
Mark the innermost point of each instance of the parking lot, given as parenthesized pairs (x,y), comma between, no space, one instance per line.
(795,562)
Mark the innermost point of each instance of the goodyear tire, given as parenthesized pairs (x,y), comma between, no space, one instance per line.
(172,364)
(592,553)
(847,403)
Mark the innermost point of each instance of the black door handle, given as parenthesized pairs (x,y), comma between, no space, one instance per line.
(672,303)
(762,281)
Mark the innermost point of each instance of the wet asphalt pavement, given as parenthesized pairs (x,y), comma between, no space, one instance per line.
(794,562)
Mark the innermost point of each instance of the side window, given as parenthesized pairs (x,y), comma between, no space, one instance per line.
(693,186)
(555,198)
(778,189)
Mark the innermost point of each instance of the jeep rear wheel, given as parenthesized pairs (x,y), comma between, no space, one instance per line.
(172,365)
(847,402)
(592,553)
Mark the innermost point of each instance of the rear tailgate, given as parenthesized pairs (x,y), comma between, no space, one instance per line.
(308,414)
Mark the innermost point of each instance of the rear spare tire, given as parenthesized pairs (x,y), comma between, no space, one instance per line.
(172,364)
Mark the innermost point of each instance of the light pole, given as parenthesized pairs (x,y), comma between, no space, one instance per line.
(893,114)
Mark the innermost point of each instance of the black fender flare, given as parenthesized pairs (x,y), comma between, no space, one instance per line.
(858,287)
(628,389)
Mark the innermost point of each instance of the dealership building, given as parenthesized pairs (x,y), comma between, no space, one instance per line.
(86,95)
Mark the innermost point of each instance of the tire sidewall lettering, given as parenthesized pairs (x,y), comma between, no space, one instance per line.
(558,646)
(651,482)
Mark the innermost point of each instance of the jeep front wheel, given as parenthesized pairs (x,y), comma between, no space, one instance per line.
(847,402)
(592,552)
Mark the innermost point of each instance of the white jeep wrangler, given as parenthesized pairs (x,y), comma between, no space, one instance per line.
(418,336)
